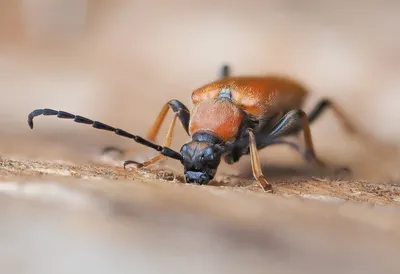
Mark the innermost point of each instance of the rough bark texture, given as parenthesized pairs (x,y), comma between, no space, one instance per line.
(87,218)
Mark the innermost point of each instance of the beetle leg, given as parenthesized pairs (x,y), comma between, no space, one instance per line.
(339,113)
(235,155)
(293,121)
(308,154)
(159,157)
(180,110)
(255,163)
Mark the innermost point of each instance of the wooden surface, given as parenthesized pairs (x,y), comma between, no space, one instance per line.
(70,218)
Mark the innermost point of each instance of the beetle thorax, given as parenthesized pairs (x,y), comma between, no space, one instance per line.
(219,116)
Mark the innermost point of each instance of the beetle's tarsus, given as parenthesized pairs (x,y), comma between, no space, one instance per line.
(266,186)
(131,162)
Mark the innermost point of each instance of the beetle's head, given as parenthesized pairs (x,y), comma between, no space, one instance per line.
(200,160)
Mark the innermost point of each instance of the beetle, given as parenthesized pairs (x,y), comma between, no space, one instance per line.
(231,117)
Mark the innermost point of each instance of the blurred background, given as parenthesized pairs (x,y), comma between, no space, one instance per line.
(120,61)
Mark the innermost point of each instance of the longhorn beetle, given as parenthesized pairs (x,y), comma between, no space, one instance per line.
(231,117)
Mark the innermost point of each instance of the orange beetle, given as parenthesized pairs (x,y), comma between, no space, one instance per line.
(231,117)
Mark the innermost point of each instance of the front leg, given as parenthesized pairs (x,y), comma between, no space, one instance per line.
(255,163)
(159,157)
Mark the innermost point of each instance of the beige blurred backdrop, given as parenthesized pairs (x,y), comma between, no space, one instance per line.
(120,61)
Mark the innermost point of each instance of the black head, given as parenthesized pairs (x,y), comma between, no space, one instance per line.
(201,160)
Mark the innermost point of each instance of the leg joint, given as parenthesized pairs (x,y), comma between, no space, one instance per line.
(177,106)
(296,113)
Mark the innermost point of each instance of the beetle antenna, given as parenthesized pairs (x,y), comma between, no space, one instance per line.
(79,119)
